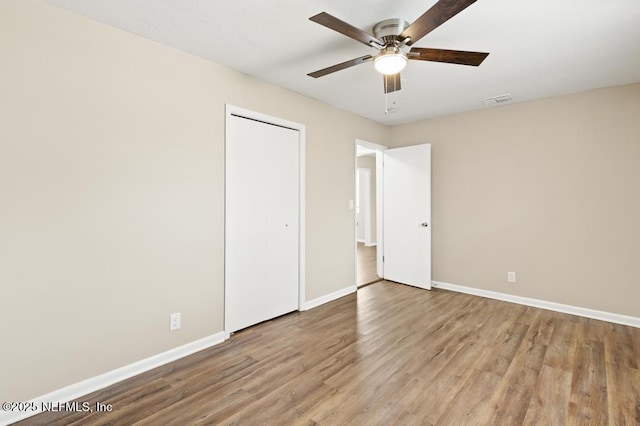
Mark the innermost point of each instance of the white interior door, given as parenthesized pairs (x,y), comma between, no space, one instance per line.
(262,222)
(407,215)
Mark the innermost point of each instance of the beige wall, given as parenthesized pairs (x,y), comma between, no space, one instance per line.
(549,189)
(369,162)
(111,185)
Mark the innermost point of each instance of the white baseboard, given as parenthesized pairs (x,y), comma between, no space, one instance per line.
(329,297)
(372,244)
(543,304)
(85,387)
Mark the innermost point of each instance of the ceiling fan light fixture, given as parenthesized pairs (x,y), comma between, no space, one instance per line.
(390,63)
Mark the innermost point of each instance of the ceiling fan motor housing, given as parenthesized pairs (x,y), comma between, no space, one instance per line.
(389,30)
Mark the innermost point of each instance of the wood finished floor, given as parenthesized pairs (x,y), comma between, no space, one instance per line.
(366,264)
(394,354)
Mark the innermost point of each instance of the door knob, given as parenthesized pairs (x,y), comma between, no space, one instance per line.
(424,224)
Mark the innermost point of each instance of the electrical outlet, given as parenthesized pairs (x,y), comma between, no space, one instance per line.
(511,277)
(174,321)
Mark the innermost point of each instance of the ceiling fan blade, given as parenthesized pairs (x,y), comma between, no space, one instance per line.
(439,13)
(338,67)
(449,56)
(346,29)
(391,82)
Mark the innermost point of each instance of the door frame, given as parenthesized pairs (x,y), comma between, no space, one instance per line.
(379,149)
(231,110)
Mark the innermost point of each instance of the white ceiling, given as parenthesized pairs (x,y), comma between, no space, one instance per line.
(538,48)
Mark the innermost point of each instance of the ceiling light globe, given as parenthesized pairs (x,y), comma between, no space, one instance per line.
(390,63)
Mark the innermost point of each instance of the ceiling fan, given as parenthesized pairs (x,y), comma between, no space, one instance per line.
(392,39)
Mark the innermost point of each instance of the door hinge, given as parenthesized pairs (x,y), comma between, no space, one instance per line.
(383,258)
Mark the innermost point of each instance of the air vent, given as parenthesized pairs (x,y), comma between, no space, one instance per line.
(502,99)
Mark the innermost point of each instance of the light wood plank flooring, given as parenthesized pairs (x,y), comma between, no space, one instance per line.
(394,355)
(366,265)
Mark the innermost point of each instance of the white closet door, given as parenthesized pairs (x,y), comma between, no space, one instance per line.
(261,236)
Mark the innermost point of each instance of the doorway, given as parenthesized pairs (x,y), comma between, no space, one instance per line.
(402,231)
(368,220)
